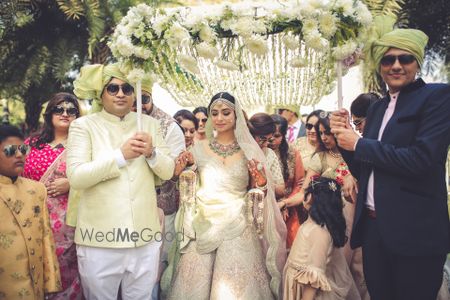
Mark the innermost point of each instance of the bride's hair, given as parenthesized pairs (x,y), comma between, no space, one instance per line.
(221,95)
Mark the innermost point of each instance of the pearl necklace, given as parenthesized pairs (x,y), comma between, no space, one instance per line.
(224,150)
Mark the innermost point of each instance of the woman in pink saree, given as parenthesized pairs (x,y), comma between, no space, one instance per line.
(47,163)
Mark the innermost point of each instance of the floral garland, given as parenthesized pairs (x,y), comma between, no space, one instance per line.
(297,42)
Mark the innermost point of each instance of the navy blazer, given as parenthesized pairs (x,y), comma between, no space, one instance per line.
(409,171)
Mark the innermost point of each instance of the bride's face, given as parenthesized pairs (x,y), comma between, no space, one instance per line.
(222,117)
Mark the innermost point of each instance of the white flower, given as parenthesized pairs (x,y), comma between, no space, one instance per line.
(315,41)
(124,46)
(142,52)
(307,10)
(259,27)
(226,24)
(242,26)
(177,35)
(363,14)
(135,75)
(207,34)
(144,10)
(309,25)
(344,51)
(160,24)
(347,7)
(188,63)
(298,62)
(327,23)
(193,21)
(207,51)
(256,44)
(290,42)
(227,65)
(139,32)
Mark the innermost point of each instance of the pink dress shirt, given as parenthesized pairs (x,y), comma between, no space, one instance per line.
(370,202)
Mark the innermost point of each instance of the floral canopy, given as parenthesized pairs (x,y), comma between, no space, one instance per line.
(266,53)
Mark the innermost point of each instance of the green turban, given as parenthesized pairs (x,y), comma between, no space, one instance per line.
(411,40)
(92,80)
(147,83)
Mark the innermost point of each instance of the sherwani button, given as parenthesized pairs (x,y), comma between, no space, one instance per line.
(29,238)
(32,251)
(33,267)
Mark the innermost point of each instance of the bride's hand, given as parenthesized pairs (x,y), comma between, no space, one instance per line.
(257,172)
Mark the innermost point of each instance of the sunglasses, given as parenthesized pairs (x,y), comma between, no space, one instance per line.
(203,120)
(403,59)
(358,122)
(113,89)
(277,135)
(146,99)
(59,111)
(309,126)
(11,150)
(263,139)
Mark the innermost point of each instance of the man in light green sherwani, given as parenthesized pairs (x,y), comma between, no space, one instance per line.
(114,167)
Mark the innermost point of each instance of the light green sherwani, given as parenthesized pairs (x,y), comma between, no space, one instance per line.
(117,206)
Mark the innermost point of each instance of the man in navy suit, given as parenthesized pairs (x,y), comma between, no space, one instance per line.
(401,217)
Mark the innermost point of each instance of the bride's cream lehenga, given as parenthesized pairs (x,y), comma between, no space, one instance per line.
(221,255)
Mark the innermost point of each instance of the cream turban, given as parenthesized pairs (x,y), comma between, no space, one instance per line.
(92,80)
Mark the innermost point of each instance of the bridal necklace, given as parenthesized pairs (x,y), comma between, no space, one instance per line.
(224,150)
(334,154)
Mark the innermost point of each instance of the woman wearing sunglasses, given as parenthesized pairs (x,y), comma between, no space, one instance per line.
(47,163)
(307,145)
(262,128)
(201,114)
(293,173)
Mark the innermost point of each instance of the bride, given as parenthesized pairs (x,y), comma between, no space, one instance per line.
(226,251)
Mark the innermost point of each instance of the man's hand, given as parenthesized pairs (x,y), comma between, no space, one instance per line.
(346,138)
(342,130)
(139,144)
(340,119)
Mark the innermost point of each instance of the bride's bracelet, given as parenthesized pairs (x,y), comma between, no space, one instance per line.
(262,188)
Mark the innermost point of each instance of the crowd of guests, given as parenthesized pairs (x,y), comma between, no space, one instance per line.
(215,204)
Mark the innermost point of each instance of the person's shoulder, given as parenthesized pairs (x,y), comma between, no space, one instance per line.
(149,120)
(85,119)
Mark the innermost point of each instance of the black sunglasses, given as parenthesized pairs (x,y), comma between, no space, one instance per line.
(59,110)
(403,59)
(11,150)
(146,99)
(263,139)
(309,126)
(113,89)
(203,120)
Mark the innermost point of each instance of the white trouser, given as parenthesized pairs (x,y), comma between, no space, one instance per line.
(103,270)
